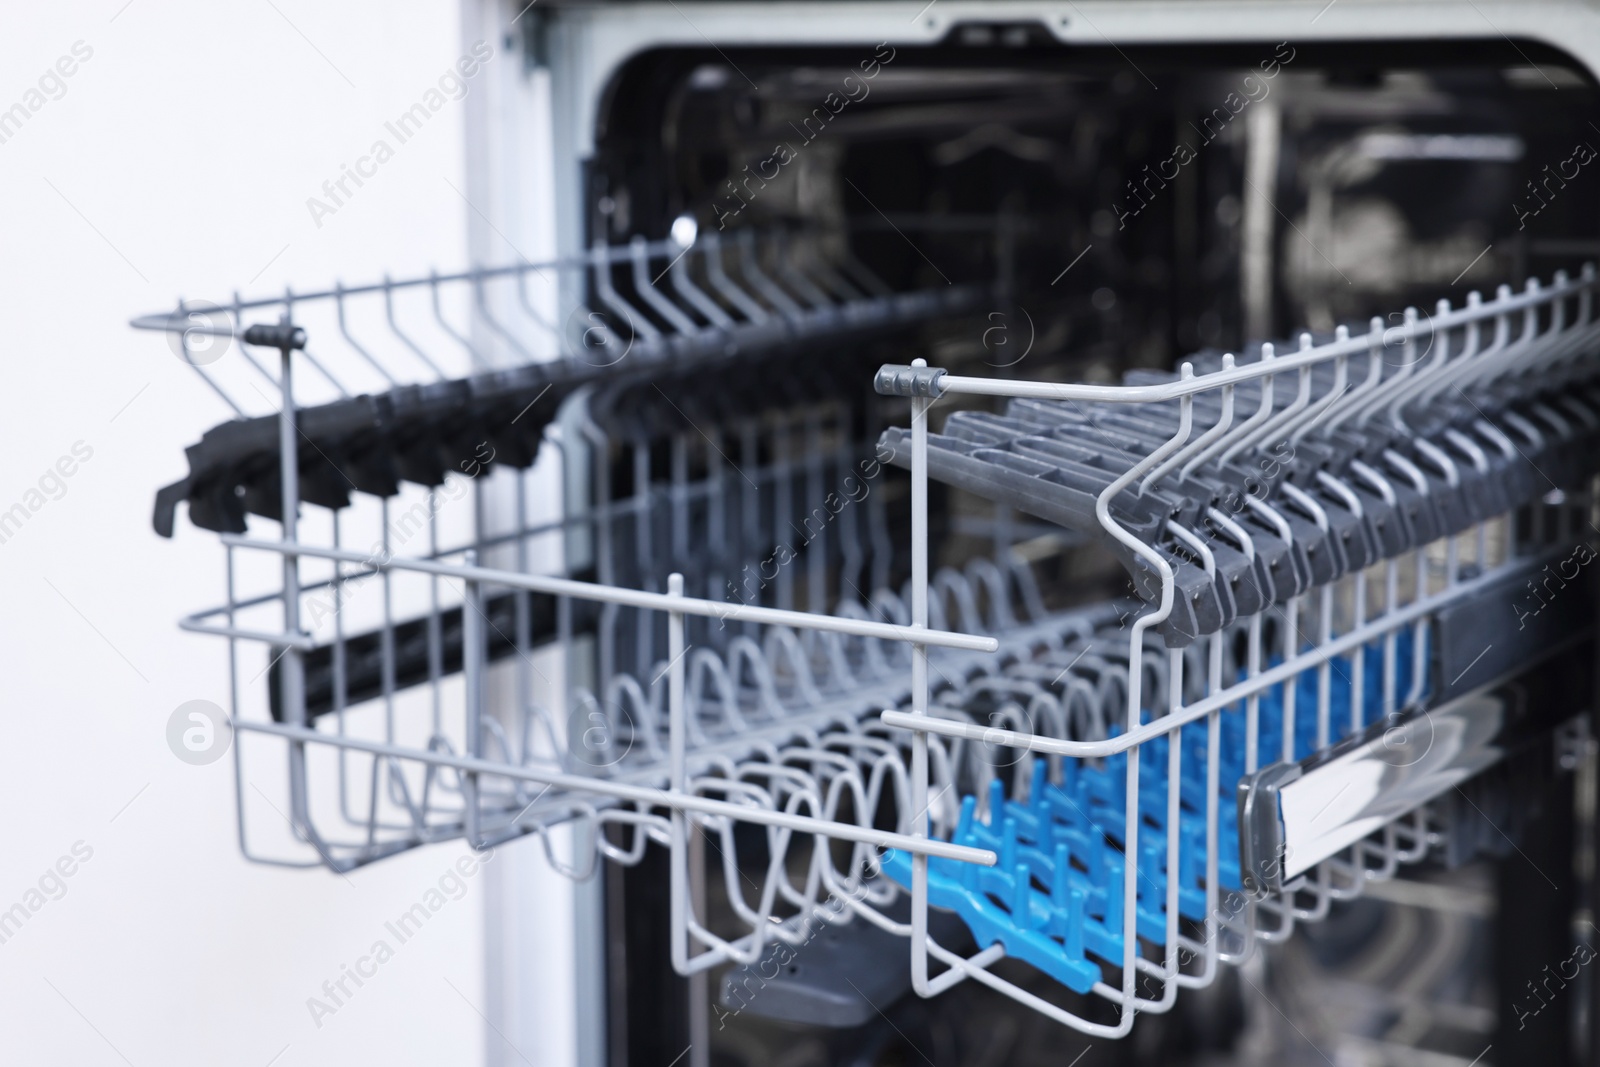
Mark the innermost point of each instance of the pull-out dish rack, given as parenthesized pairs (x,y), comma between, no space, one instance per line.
(1286,707)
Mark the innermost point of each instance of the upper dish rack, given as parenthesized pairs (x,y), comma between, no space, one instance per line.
(409,362)
(1075,791)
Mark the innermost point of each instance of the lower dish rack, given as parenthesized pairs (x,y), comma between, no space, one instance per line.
(1124,796)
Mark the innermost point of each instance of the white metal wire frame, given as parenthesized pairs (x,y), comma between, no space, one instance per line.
(790,732)
(642,297)
(1550,341)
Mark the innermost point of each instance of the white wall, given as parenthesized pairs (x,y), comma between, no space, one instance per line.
(178,162)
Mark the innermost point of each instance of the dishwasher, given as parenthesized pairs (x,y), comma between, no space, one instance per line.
(1019,532)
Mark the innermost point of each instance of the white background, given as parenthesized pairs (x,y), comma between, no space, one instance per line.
(181,157)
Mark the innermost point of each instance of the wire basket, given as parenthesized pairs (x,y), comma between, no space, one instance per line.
(1110,794)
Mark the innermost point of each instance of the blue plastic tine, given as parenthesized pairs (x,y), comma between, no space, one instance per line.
(969,807)
(1021,897)
(1060,885)
(1075,918)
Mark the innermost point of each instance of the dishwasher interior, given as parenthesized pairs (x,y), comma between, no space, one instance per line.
(885,555)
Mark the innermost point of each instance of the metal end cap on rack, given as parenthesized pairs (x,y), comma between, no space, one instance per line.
(898,380)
